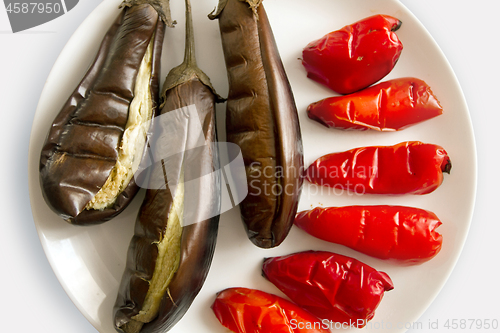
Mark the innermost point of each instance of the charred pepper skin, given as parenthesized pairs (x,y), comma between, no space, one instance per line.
(410,167)
(81,148)
(356,56)
(191,248)
(262,120)
(329,285)
(387,106)
(406,235)
(244,310)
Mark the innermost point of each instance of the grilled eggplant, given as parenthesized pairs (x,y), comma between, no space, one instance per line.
(98,139)
(176,230)
(262,119)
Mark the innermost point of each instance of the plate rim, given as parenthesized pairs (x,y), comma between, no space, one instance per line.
(33,160)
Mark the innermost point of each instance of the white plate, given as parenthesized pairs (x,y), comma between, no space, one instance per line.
(89,261)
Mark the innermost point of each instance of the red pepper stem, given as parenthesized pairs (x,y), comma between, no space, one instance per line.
(397,26)
(446,166)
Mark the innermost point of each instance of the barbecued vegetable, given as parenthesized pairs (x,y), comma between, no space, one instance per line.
(356,56)
(387,106)
(410,167)
(98,139)
(329,285)
(176,230)
(406,234)
(262,119)
(244,310)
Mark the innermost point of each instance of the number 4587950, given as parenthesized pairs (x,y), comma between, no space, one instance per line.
(33,7)
(471,324)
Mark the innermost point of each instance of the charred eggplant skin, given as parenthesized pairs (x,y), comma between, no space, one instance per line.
(186,86)
(262,119)
(82,145)
(198,239)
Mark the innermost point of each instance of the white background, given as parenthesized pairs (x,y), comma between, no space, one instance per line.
(32,299)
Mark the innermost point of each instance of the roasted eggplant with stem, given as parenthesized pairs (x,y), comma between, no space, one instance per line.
(176,230)
(97,141)
(262,120)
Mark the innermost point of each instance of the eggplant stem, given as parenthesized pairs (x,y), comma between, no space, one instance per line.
(189,52)
(254,4)
(188,69)
(162,7)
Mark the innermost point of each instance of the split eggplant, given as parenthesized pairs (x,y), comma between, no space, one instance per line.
(176,230)
(98,139)
(262,119)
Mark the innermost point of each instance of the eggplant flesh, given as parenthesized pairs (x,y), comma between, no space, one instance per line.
(154,253)
(262,120)
(176,229)
(188,253)
(133,139)
(98,138)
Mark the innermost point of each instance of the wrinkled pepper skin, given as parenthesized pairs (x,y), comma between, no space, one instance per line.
(409,167)
(184,194)
(405,234)
(356,56)
(329,285)
(387,106)
(262,120)
(244,310)
(81,148)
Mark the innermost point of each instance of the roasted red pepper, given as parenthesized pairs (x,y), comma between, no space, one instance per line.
(356,56)
(387,106)
(329,285)
(406,234)
(410,167)
(245,310)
